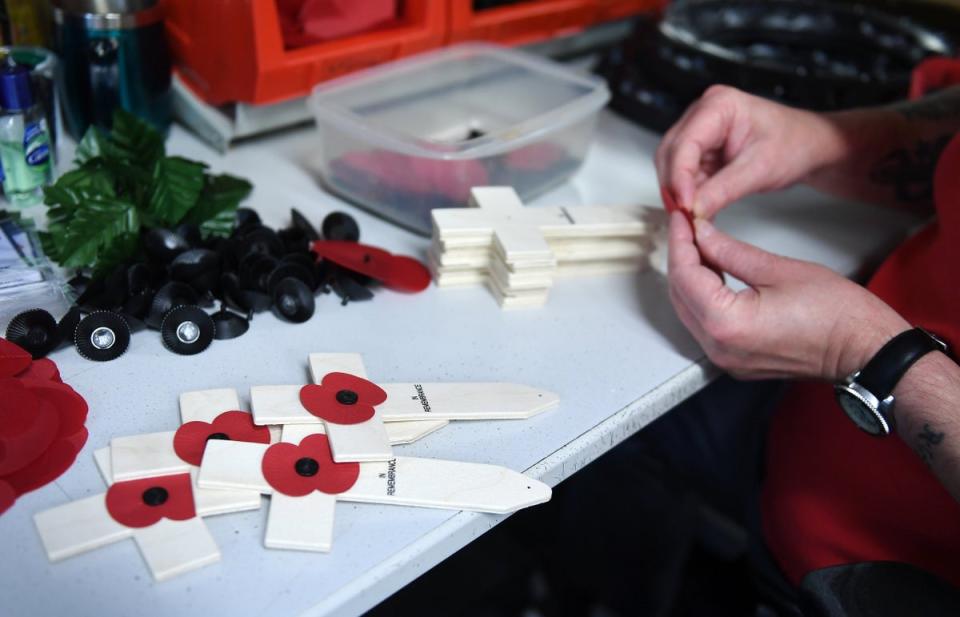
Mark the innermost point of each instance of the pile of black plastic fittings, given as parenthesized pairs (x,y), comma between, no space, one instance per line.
(181,276)
(812,54)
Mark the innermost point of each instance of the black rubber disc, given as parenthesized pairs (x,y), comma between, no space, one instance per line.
(170,295)
(102,336)
(293,300)
(290,269)
(36,331)
(68,324)
(299,221)
(340,226)
(228,325)
(187,330)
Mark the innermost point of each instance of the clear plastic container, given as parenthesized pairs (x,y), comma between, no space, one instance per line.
(419,133)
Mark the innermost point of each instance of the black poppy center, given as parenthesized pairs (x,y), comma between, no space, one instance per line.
(155,496)
(218,436)
(307,466)
(347,397)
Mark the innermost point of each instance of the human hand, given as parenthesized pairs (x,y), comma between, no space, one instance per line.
(795,319)
(730,144)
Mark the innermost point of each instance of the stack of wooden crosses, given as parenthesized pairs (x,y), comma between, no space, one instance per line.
(518,251)
(307,447)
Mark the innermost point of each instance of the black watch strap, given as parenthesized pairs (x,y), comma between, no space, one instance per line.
(888,366)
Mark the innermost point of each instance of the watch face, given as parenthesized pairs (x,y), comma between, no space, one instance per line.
(859,411)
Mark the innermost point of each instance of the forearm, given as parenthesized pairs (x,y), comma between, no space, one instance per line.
(928,416)
(887,155)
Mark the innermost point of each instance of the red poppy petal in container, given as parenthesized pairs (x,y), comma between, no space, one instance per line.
(410,275)
(44,369)
(49,466)
(20,450)
(298,470)
(190,439)
(141,503)
(8,496)
(13,358)
(536,157)
(71,407)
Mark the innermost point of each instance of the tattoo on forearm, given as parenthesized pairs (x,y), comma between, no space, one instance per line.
(927,440)
(909,172)
(943,105)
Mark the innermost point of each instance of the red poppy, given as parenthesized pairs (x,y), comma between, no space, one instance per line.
(27,425)
(141,503)
(13,358)
(70,406)
(43,369)
(669,203)
(396,272)
(342,399)
(191,438)
(41,423)
(298,470)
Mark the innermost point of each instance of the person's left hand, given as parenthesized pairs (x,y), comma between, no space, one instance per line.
(795,319)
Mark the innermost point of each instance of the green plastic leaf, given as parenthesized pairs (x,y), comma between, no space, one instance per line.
(134,140)
(73,187)
(215,210)
(119,251)
(92,146)
(175,188)
(80,236)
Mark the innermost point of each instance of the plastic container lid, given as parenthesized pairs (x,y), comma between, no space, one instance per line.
(381,106)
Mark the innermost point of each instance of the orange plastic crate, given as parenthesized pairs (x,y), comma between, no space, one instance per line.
(516,24)
(233,50)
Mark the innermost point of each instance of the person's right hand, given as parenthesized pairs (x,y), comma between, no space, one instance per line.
(730,144)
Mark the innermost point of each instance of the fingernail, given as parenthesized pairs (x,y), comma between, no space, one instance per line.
(702,228)
(698,210)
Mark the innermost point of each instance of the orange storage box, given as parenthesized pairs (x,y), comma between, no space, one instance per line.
(529,21)
(233,50)
(521,22)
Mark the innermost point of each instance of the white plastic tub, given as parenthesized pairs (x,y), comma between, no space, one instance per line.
(419,133)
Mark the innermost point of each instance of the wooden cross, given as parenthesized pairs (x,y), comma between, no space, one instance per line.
(518,250)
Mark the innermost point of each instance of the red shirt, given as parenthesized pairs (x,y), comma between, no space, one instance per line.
(833,494)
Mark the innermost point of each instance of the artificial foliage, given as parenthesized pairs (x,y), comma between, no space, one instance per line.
(125,183)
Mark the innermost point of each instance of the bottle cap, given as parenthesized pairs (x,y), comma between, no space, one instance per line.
(16,92)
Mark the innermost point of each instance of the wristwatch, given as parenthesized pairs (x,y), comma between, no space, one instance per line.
(866,396)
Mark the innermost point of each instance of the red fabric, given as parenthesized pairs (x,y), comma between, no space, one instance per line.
(190,440)
(13,358)
(934,74)
(321,400)
(835,495)
(280,468)
(41,423)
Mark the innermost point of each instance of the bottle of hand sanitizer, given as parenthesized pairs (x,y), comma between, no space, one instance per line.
(24,141)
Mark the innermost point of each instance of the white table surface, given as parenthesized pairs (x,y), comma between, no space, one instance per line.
(610,346)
